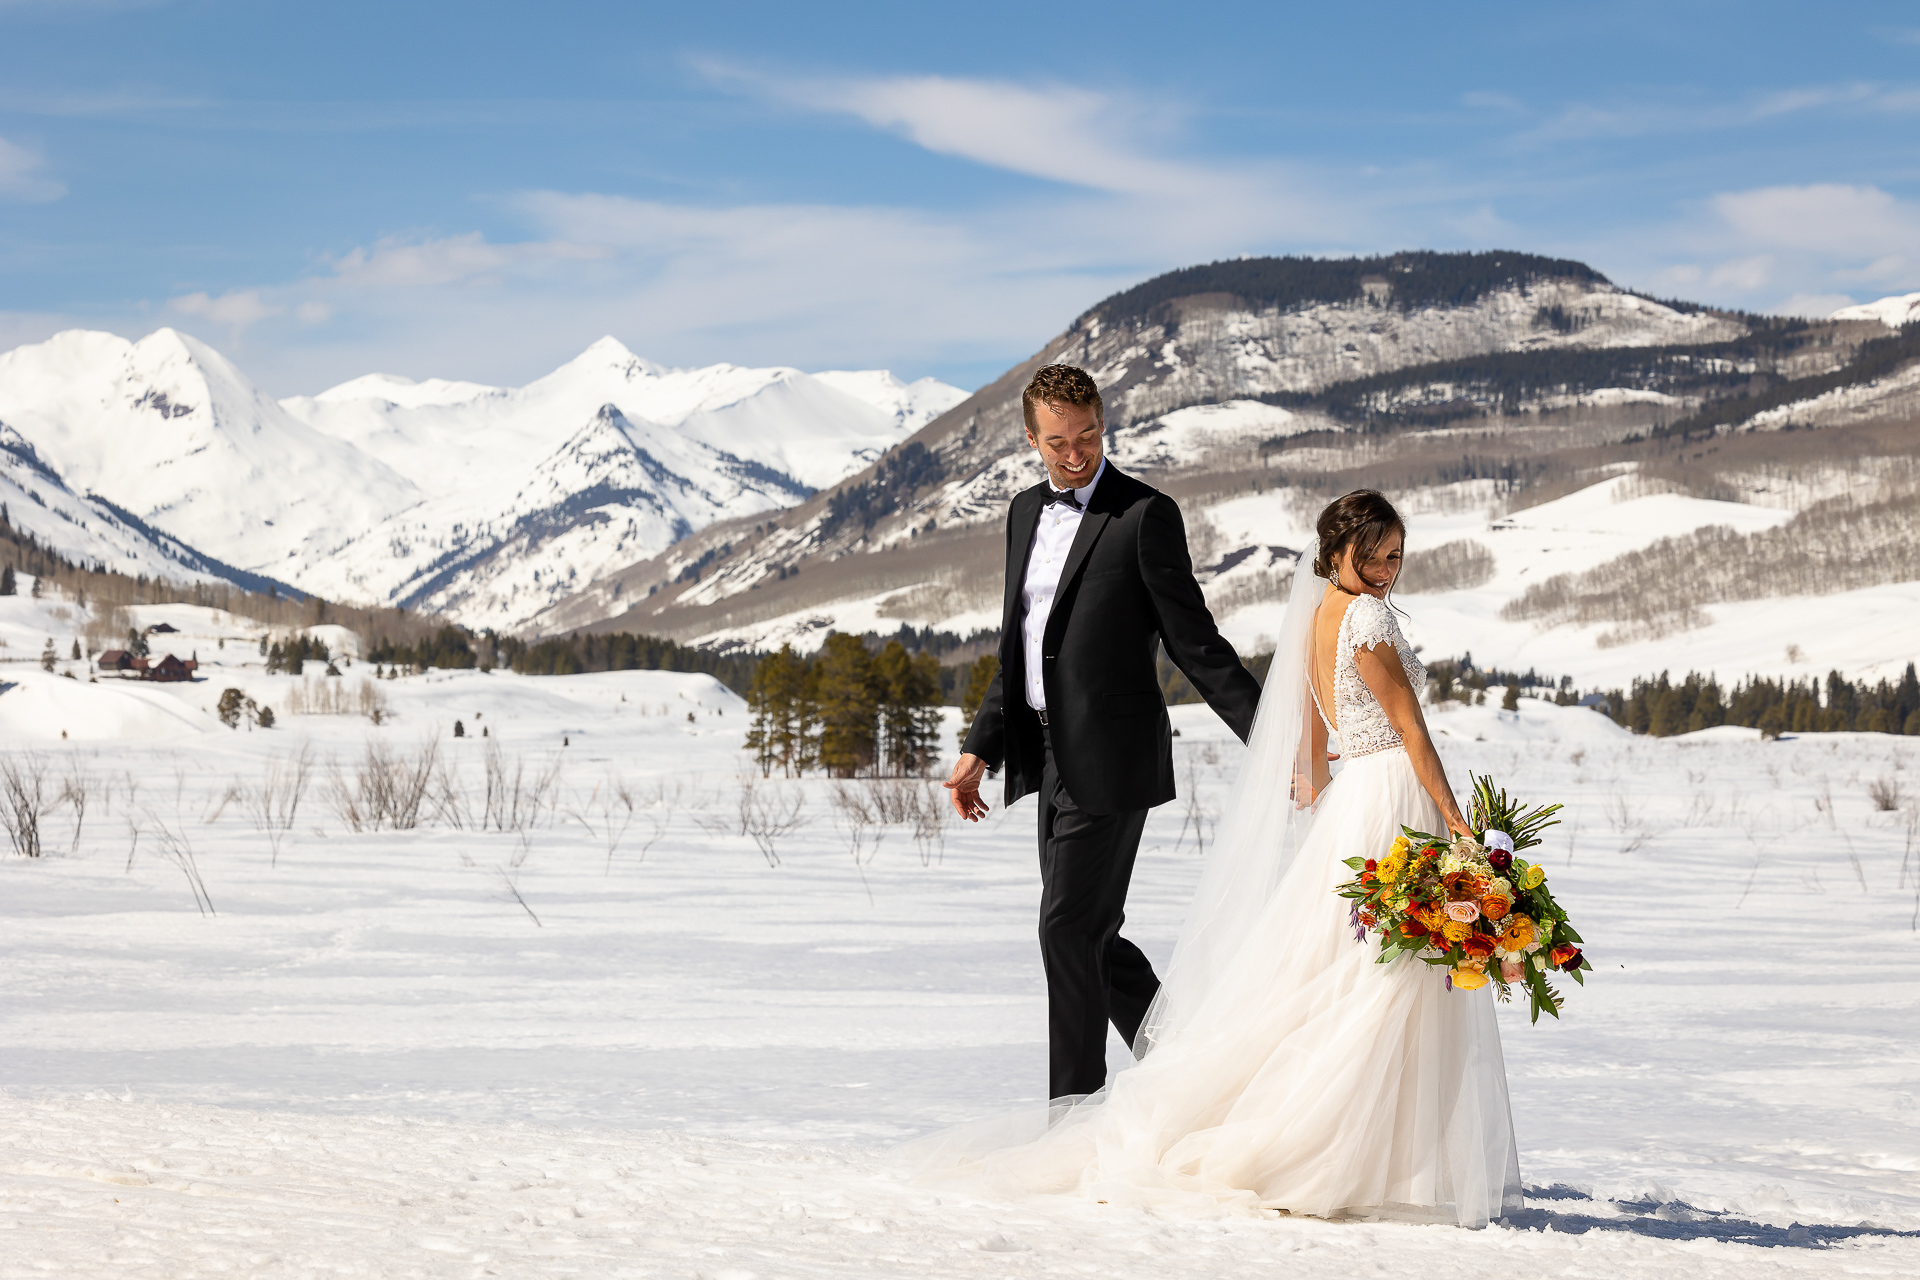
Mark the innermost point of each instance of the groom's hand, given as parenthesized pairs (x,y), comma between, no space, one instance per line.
(964,787)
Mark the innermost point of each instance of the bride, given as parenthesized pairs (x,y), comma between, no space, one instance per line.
(1281,1067)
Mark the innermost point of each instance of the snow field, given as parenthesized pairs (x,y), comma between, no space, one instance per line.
(372,1060)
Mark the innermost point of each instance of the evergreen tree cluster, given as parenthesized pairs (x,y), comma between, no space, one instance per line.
(450,648)
(1419,279)
(1429,395)
(623,651)
(899,474)
(1660,707)
(848,711)
(288,656)
(1875,359)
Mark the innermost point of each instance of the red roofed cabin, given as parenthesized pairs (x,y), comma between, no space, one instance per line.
(168,668)
(118,660)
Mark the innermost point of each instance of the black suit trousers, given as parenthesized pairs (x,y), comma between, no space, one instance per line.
(1093,974)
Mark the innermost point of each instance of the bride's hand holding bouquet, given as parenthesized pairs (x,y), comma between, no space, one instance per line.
(1465,902)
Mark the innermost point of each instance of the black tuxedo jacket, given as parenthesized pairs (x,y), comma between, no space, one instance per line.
(1127,582)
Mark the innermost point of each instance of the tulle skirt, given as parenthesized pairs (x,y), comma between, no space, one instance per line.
(1314,1080)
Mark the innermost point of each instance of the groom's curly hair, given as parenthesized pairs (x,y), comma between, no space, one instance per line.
(1060,384)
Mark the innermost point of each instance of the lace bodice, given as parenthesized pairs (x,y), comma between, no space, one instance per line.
(1363,724)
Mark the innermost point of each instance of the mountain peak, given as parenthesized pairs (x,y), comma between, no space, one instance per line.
(610,352)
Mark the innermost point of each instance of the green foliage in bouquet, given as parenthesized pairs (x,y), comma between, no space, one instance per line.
(1492,811)
(1469,904)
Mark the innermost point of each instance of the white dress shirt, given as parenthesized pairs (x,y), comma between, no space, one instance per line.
(1052,539)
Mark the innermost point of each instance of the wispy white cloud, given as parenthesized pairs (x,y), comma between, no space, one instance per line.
(1829,218)
(397,263)
(1644,118)
(238,310)
(21,177)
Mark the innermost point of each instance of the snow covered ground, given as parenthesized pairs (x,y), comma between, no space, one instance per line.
(462,1051)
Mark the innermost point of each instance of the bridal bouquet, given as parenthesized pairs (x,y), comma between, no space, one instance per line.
(1469,904)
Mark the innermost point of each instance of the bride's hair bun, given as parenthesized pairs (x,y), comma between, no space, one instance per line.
(1361,520)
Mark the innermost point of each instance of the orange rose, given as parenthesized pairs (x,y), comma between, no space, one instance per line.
(1495,906)
(1563,953)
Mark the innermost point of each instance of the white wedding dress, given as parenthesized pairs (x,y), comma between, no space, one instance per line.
(1284,1068)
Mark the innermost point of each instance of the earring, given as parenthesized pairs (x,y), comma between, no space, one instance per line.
(1333,576)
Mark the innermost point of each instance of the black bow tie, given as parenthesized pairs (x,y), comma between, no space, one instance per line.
(1070,497)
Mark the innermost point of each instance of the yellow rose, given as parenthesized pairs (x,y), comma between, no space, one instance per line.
(1457,930)
(1536,875)
(1469,979)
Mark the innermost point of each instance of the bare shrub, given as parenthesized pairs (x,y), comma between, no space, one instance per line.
(514,796)
(23,801)
(613,803)
(859,822)
(177,849)
(388,789)
(1195,817)
(76,790)
(929,821)
(324,697)
(1886,793)
(661,800)
(275,803)
(769,812)
(1452,566)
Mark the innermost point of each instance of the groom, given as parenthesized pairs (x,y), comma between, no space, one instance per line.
(1097,571)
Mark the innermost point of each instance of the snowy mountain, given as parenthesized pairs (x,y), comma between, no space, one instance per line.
(486,502)
(169,430)
(1469,386)
(1194,367)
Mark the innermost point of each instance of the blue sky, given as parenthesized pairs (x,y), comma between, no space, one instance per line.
(479,190)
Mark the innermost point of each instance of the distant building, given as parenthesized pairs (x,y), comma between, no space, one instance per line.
(169,668)
(1377,288)
(163,629)
(116,660)
(1598,702)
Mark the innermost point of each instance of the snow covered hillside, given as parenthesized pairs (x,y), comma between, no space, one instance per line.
(1194,367)
(486,503)
(1653,420)
(611,1036)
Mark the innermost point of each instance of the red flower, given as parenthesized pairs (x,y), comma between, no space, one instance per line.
(1572,962)
(1413,928)
(1562,953)
(1478,945)
(1499,859)
(1372,865)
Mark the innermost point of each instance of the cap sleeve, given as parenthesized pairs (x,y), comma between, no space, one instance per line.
(1370,622)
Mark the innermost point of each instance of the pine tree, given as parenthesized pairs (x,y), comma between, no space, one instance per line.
(1511,702)
(75,655)
(849,702)
(7,585)
(979,680)
(136,642)
(784,713)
